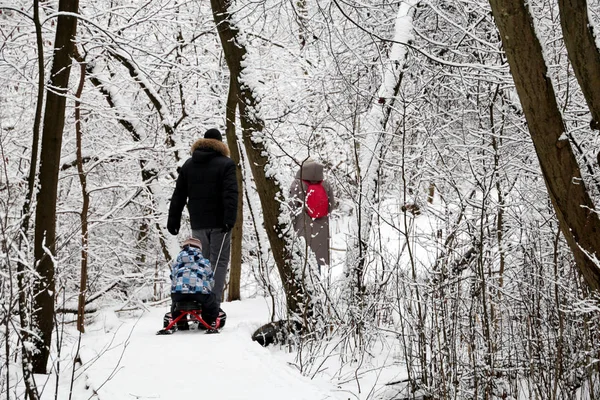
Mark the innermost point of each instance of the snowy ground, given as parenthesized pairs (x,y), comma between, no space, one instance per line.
(124,359)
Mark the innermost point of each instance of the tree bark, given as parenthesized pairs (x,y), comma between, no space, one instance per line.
(574,208)
(36,120)
(583,53)
(269,190)
(85,206)
(235,273)
(31,391)
(45,217)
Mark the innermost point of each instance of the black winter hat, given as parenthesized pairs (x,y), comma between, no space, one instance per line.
(213,134)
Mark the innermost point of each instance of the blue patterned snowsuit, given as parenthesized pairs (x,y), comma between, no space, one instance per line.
(192,280)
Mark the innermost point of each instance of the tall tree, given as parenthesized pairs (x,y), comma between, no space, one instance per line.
(22,282)
(570,198)
(269,189)
(374,140)
(85,234)
(45,217)
(235,274)
(583,52)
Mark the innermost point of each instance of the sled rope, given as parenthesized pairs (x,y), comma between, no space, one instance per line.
(219,256)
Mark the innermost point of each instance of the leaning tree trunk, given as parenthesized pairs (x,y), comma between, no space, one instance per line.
(148,173)
(581,46)
(45,216)
(269,190)
(574,208)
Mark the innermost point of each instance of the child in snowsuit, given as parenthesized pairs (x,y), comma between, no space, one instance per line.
(192,280)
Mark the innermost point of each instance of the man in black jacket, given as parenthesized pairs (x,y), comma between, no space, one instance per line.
(207,181)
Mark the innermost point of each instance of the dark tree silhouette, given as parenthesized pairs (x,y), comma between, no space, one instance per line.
(45,217)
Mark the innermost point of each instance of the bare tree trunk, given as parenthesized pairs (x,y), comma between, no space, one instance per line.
(268,188)
(45,217)
(36,120)
(371,150)
(581,46)
(574,208)
(302,17)
(84,208)
(22,282)
(235,274)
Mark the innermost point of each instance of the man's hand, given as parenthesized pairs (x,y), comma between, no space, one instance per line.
(173,226)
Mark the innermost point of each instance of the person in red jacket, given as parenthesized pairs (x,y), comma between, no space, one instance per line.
(207,182)
(311,221)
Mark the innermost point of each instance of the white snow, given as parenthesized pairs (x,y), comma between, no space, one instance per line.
(124,359)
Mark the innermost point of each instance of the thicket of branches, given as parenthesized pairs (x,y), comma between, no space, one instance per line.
(455,267)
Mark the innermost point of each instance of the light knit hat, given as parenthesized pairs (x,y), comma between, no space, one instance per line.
(192,241)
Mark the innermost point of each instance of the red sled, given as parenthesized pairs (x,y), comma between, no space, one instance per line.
(190,311)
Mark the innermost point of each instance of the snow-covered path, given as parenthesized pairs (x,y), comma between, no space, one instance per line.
(124,359)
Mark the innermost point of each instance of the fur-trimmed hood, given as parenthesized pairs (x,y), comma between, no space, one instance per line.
(210,146)
(207,184)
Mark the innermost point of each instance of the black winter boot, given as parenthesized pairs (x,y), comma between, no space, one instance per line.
(214,328)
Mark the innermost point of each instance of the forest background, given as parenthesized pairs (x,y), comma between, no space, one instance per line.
(460,136)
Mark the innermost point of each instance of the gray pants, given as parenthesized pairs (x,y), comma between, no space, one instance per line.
(212,240)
